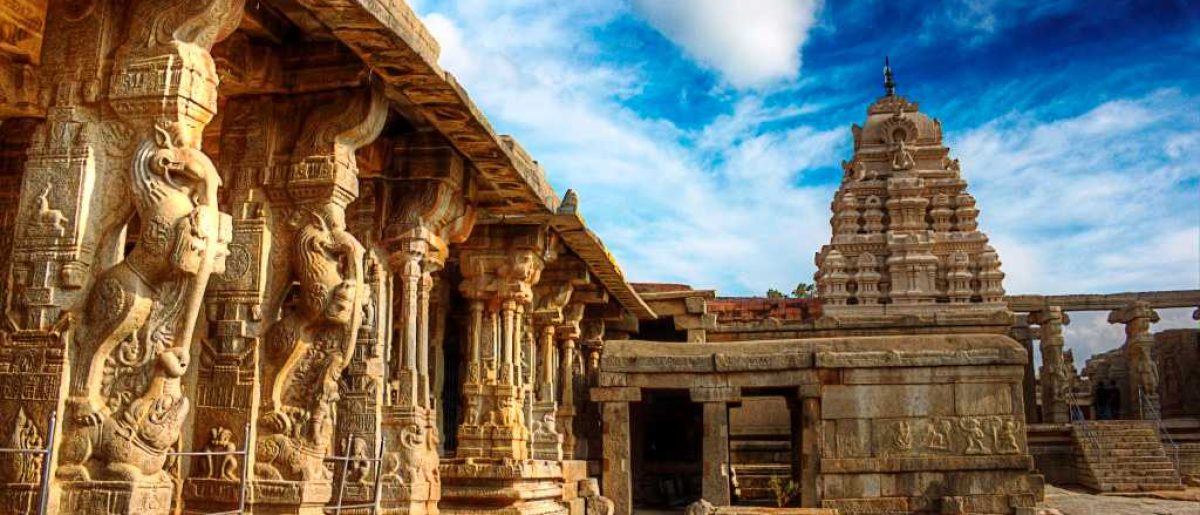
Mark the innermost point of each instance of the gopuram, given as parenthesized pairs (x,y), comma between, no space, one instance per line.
(268,257)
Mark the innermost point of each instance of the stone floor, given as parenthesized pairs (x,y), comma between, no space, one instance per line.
(1070,502)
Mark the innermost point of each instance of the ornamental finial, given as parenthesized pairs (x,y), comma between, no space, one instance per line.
(889,85)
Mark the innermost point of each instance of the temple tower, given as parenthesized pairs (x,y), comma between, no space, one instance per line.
(905,235)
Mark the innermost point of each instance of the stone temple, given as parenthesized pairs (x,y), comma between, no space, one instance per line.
(268,257)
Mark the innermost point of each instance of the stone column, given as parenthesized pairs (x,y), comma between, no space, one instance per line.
(132,86)
(360,408)
(1021,332)
(715,485)
(427,212)
(494,466)
(616,474)
(319,295)
(1055,379)
(1142,400)
(229,372)
(808,449)
(568,333)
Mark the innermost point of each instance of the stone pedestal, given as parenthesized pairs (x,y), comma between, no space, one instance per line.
(512,487)
(289,497)
(116,497)
(410,482)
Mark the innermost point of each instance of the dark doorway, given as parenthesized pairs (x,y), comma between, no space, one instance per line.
(667,439)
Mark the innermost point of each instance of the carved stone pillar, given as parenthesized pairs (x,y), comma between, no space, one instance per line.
(228,358)
(493,467)
(288,322)
(122,141)
(1055,379)
(24,404)
(588,420)
(1143,400)
(553,293)
(427,211)
(568,334)
(359,411)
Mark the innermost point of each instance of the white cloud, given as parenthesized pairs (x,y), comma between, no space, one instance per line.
(1098,202)
(716,207)
(750,42)
(1101,202)
(1090,333)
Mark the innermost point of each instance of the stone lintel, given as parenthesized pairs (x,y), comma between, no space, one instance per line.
(925,464)
(916,358)
(616,394)
(718,394)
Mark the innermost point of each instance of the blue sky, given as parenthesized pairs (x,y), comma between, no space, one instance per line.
(704,136)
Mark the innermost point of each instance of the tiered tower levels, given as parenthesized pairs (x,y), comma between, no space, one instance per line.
(905,231)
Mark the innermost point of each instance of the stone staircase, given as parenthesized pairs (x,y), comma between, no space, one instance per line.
(1122,456)
(755,460)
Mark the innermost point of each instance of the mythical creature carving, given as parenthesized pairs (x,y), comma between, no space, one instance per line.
(126,406)
(307,349)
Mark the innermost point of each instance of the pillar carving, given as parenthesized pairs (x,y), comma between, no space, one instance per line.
(1054,378)
(570,372)
(313,341)
(360,408)
(1143,372)
(121,142)
(428,210)
(552,297)
(500,266)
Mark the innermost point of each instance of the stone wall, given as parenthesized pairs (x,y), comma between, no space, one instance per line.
(921,439)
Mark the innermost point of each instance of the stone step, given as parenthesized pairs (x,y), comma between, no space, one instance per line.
(1138,487)
(1138,464)
(1152,473)
(1118,424)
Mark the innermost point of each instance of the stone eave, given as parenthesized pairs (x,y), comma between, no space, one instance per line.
(591,250)
(588,246)
(390,38)
(1104,301)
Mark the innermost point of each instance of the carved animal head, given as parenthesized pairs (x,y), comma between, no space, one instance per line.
(183,166)
(329,262)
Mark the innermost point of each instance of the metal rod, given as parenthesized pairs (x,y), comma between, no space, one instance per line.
(44,488)
(23,451)
(245,471)
(377,495)
(205,453)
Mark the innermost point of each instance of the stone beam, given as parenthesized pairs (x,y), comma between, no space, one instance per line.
(1105,302)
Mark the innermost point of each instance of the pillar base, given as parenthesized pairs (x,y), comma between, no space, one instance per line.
(19,498)
(116,498)
(288,497)
(526,487)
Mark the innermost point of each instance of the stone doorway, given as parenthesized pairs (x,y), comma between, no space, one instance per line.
(667,449)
